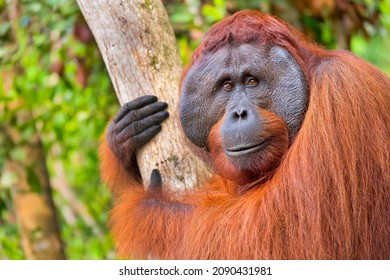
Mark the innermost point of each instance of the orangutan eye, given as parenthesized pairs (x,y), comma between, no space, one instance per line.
(252,81)
(228,86)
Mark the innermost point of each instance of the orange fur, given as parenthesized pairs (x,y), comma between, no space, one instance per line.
(329,198)
(112,171)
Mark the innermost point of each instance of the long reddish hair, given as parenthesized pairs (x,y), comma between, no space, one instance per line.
(331,192)
(328,199)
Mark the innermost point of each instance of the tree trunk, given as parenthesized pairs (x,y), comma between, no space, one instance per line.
(31,192)
(138,46)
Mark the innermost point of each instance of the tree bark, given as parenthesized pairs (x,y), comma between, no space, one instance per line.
(138,46)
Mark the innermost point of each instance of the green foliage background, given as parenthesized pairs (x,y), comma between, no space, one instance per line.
(48,61)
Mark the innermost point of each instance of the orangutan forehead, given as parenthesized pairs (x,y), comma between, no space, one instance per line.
(243,57)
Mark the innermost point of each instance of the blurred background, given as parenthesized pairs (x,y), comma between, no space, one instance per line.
(56,99)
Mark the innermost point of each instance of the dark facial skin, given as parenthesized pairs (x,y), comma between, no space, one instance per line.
(237,84)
